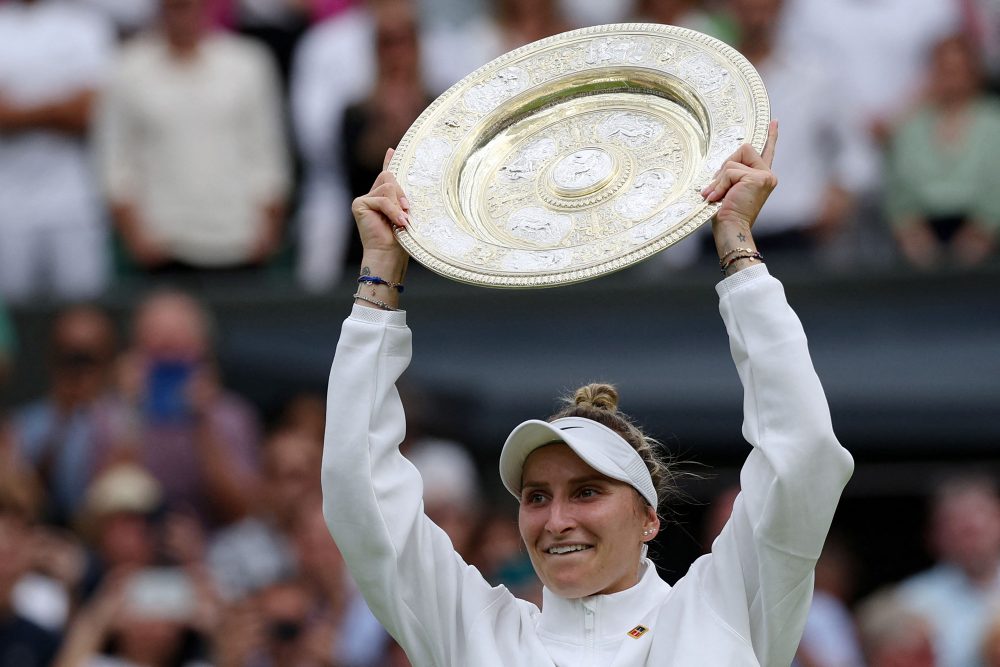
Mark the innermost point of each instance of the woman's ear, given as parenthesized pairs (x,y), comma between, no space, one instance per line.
(651,527)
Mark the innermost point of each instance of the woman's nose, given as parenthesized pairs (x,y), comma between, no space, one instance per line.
(561,517)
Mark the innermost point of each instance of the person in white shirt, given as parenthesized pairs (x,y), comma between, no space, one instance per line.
(54,58)
(192,146)
(827,160)
(588,489)
(960,594)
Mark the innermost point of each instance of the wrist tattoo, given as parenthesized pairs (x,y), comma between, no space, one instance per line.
(741,236)
(365,271)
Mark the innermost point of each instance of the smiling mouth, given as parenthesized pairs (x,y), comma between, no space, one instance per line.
(567,549)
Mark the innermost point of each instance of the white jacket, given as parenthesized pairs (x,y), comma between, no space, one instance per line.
(744,604)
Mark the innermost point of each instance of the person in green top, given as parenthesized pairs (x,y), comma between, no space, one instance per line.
(942,165)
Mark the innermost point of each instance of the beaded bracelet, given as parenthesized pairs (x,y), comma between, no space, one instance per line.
(375,280)
(722,260)
(375,302)
(754,255)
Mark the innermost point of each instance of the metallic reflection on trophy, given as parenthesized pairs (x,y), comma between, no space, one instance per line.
(575,156)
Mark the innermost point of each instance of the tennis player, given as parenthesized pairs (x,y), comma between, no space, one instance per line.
(589,486)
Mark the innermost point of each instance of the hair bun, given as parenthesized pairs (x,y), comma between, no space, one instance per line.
(597,395)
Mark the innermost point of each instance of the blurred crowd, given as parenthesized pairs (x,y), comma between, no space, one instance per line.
(150,518)
(227,137)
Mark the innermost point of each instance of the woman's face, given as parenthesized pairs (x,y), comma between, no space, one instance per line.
(583,530)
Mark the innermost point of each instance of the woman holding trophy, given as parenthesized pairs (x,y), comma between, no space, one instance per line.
(589,486)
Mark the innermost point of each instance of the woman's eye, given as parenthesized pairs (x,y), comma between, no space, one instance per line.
(588,493)
(534,498)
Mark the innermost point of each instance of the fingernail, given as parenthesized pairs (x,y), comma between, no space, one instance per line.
(404,202)
(402,220)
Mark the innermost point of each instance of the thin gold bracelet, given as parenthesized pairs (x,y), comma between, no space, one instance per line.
(722,260)
(754,255)
(375,302)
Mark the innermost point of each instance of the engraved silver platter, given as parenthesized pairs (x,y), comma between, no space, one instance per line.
(576,155)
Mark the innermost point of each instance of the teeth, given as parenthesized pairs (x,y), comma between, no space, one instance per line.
(568,548)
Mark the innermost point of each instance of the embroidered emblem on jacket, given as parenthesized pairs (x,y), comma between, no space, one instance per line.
(638,631)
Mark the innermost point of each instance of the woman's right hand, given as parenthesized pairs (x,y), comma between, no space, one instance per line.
(379,212)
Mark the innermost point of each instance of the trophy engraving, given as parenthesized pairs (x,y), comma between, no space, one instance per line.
(577,155)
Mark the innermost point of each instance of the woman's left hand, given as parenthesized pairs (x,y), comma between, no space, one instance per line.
(743,184)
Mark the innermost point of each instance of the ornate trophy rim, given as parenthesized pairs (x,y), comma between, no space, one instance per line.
(696,83)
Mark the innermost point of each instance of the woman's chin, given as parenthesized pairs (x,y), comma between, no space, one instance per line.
(571,587)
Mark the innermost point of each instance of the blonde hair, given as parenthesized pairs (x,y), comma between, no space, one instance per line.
(599,402)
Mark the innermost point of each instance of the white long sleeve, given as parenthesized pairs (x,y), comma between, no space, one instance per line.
(744,604)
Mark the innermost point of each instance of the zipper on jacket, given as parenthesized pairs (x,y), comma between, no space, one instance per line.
(588,630)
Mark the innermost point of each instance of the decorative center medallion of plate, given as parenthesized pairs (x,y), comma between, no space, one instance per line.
(584,176)
(582,172)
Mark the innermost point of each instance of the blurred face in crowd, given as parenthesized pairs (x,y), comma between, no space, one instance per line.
(147,640)
(965,527)
(126,538)
(317,553)
(172,326)
(82,349)
(183,20)
(396,39)
(583,530)
(290,464)
(284,609)
(954,71)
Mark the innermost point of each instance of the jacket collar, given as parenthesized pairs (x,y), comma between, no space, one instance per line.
(614,615)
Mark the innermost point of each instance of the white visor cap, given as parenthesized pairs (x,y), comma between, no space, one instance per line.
(601,448)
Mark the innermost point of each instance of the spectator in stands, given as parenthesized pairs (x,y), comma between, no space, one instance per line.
(943,162)
(321,89)
(119,522)
(451,489)
(56,434)
(311,616)
(893,634)
(257,551)
(173,415)
(830,638)
(353,636)
(193,149)
(958,595)
(398,96)
(279,24)
(827,161)
(54,58)
(876,52)
(22,642)
(151,617)
(877,48)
